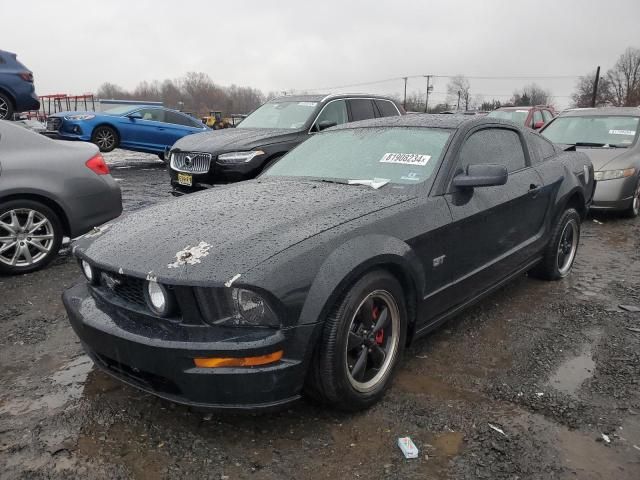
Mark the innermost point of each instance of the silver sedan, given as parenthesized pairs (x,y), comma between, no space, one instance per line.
(609,136)
(49,189)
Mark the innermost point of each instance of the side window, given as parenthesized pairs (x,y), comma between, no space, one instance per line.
(176,118)
(361,109)
(335,112)
(537,117)
(386,108)
(547,116)
(543,146)
(493,146)
(154,114)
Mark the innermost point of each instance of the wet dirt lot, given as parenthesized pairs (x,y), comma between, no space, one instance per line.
(540,380)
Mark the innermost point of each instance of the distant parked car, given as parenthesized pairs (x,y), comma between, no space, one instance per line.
(17,93)
(532,117)
(141,128)
(315,277)
(609,136)
(48,190)
(241,153)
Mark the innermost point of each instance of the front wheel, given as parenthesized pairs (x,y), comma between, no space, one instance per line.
(634,209)
(105,137)
(561,250)
(361,344)
(30,236)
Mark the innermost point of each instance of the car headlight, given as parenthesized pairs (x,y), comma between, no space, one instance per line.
(89,272)
(613,174)
(84,116)
(251,309)
(239,157)
(159,299)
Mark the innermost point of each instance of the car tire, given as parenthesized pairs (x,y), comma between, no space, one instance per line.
(42,246)
(634,209)
(355,359)
(106,138)
(6,107)
(560,252)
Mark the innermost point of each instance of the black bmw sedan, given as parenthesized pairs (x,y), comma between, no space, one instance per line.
(315,276)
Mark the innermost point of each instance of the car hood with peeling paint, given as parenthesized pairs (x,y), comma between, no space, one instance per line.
(209,237)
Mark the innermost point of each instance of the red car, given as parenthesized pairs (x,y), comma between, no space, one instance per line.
(532,117)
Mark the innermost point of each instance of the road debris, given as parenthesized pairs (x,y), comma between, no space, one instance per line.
(630,308)
(631,329)
(408,448)
(497,429)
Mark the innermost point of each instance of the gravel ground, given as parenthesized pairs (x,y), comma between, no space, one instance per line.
(540,380)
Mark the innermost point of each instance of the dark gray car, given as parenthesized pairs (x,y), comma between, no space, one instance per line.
(609,136)
(48,190)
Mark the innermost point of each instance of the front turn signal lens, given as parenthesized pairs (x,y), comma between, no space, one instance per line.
(238,361)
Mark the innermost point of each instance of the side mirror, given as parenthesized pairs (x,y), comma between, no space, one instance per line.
(135,116)
(538,125)
(482,176)
(324,125)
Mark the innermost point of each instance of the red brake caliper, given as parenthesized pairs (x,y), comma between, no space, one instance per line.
(380,334)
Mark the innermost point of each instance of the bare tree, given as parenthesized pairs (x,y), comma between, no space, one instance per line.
(459,85)
(583,94)
(110,90)
(531,94)
(624,79)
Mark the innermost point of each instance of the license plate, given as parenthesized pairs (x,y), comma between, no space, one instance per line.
(185,179)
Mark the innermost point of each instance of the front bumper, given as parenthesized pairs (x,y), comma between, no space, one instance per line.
(157,356)
(218,174)
(614,194)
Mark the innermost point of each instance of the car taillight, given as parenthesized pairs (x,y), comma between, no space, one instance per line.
(97,164)
(26,76)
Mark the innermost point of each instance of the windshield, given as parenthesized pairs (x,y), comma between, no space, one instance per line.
(398,155)
(291,115)
(121,109)
(601,130)
(517,116)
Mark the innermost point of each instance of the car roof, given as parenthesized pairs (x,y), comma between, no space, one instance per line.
(321,97)
(429,120)
(589,112)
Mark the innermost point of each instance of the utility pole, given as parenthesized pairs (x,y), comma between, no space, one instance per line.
(404,104)
(458,108)
(595,88)
(429,88)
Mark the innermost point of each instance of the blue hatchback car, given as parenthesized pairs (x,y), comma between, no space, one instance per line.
(17,93)
(142,128)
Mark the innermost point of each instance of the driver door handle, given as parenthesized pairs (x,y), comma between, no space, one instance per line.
(534,189)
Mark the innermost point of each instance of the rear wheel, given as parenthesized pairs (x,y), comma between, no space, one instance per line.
(634,209)
(30,236)
(361,344)
(105,137)
(6,107)
(561,250)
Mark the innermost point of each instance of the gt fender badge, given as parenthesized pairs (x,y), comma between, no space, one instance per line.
(439,260)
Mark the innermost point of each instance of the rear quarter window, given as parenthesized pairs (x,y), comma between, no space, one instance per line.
(361,109)
(386,108)
(542,148)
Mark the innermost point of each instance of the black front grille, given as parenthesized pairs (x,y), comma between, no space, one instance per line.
(54,124)
(129,289)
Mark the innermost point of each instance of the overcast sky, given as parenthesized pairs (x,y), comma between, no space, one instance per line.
(74,46)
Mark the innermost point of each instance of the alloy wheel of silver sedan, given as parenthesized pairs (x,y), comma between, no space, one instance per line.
(635,205)
(26,237)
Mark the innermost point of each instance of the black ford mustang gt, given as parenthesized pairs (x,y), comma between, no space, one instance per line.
(315,276)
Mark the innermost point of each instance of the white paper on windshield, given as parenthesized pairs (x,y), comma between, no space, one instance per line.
(406,158)
(522,111)
(622,132)
(376,183)
(307,104)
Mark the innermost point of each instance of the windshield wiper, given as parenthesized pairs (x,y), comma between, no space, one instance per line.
(373,183)
(603,145)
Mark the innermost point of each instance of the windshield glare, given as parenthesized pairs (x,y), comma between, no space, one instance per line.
(121,109)
(290,115)
(517,116)
(399,155)
(605,130)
